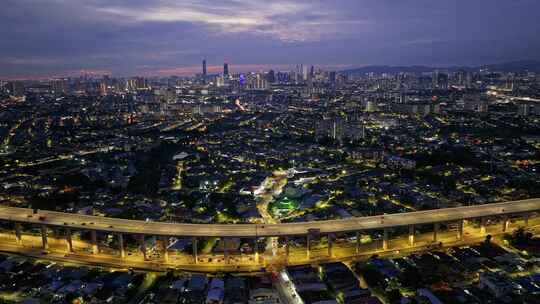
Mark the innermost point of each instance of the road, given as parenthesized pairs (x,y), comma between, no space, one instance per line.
(343,250)
(273,186)
(114,225)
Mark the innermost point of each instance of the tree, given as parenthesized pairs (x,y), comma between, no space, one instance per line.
(394,296)
(521,237)
(487,241)
(411,277)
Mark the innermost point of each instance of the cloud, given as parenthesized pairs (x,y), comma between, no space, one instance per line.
(424,41)
(28,61)
(129,36)
(287,21)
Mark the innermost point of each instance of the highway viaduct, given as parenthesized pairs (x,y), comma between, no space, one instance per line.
(68,223)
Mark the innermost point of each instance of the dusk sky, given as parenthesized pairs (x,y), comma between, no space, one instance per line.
(171,37)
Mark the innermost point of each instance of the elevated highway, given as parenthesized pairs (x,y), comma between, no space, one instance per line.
(62,225)
(115,225)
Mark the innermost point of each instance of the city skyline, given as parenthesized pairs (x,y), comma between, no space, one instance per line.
(287,151)
(158,38)
(267,152)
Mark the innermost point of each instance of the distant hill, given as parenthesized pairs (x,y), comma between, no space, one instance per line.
(379,69)
(513,66)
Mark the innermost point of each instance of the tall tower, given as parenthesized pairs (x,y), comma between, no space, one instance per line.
(204,67)
(225,69)
(304,72)
(271,76)
(435,80)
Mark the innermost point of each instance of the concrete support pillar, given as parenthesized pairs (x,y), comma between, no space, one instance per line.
(18,233)
(385,239)
(357,242)
(55,232)
(308,247)
(460,230)
(526,219)
(483,225)
(95,249)
(411,235)
(273,245)
(44,243)
(69,241)
(436,231)
(165,245)
(142,244)
(330,244)
(506,223)
(225,251)
(121,247)
(287,249)
(256,250)
(195,250)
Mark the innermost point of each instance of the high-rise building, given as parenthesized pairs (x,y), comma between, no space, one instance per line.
(204,67)
(59,86)
(285,77)
(443,81)
(476,105)
(329,127)
(102,89)
(220,81)
(371,106)
(461,77)
(225,69)
(332,77)
(439,80)
(140,83)
(526,109)
(16,88)
(468,80)
(271,76)
(435,80)
(342,79)
(339,129)
(257,81)
(354,130)
(304,72)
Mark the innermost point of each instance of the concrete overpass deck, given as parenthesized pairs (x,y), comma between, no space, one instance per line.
(123,226)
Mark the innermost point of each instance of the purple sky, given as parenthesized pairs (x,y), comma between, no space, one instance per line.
(128,37)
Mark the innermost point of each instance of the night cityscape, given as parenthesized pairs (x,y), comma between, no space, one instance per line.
(302,152)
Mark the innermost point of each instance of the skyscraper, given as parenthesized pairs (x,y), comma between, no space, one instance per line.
(271,76)
(332,77)
(298,76)
(16,88)
(204,67)
(435,80)
(225,69)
